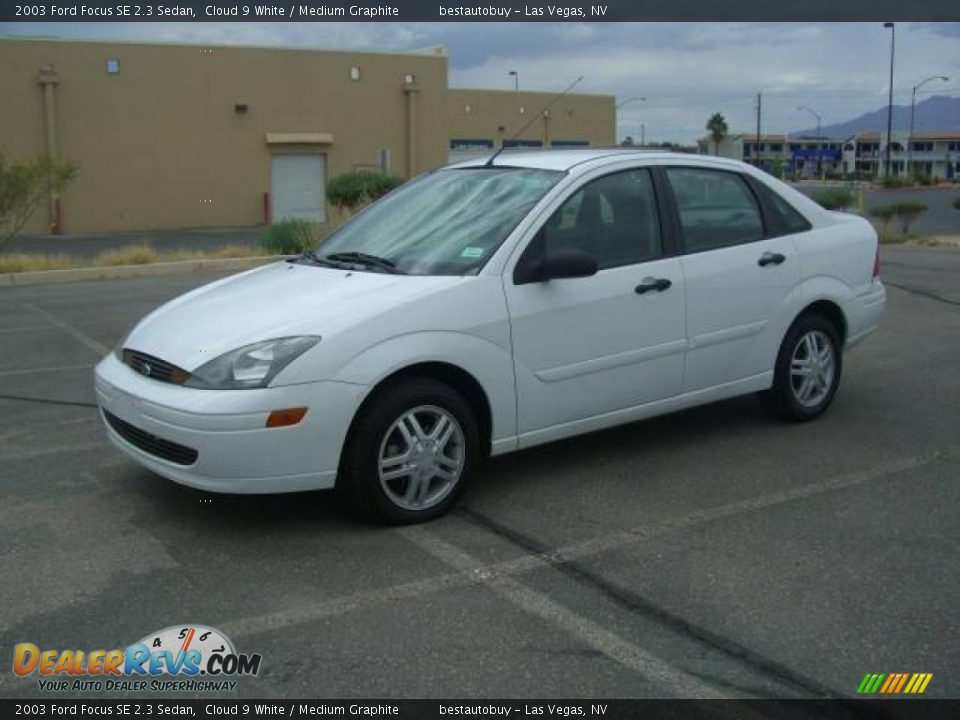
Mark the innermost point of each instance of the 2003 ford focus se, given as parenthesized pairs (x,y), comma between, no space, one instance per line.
(491,306)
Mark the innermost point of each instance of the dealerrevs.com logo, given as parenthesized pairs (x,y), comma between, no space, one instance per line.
(181,657)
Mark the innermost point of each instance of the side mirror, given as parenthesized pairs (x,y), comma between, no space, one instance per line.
(538,266)
(567,264)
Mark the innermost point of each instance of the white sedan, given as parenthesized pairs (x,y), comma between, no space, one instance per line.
(492,306)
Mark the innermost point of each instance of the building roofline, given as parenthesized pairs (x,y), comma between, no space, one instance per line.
(545,93)
(438,52)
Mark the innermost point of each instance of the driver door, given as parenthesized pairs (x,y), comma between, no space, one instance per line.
(585,347)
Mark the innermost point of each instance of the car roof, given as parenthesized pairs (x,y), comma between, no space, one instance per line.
(567,159)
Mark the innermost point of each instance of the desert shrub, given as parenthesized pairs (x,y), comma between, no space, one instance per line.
(884,213)
(287,237)
(907,212)
(24,186)
(834,198)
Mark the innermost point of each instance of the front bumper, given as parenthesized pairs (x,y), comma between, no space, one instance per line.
(235,452)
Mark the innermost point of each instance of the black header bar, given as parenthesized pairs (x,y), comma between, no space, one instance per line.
(477,11)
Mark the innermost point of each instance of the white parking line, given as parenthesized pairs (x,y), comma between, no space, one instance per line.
(57,450)
(57,368)
(631,656)
(483,573)
(94,345)
(474,572)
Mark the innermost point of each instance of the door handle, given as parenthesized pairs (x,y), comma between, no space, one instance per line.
(658,284)
(769,258)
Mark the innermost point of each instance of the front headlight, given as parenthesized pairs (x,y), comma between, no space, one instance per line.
(251,366)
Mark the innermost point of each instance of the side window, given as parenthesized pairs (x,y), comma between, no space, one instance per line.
(613,218)
(717,208)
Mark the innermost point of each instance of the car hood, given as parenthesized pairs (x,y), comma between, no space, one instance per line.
(277,300)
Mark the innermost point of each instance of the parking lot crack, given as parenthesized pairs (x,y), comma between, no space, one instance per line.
(637,604)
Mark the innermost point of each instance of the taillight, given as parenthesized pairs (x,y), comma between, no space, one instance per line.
(876,263)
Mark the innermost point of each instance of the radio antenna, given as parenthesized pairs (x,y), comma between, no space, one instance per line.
(542,110)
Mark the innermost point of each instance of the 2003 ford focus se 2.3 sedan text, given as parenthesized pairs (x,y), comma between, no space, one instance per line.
(490,306)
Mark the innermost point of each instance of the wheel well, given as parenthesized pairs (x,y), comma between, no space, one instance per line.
(829,311)
(452,375)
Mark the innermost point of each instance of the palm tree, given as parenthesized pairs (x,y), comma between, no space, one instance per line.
(717,127)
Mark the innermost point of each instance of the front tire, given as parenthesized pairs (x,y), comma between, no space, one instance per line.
(807,372)
(412,452)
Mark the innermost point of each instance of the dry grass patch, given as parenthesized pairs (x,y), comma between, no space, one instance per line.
(142,254)
(223,253)
(27,262)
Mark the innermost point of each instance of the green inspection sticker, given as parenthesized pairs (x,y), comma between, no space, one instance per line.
(472,252)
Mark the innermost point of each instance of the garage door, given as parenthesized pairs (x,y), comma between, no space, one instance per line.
(297,188)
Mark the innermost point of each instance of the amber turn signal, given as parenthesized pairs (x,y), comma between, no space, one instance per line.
(282,418)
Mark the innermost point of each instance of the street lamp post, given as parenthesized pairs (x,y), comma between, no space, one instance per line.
(630,100)
(819,121)
(516,80)
(893,43)
(913,104)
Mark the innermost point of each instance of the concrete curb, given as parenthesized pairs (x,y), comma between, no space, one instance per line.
(49,277)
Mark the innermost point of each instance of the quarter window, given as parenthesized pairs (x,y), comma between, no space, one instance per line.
(716,208)
(784,218)
(613,218)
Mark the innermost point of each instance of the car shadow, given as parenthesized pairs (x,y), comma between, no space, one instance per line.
(313,510)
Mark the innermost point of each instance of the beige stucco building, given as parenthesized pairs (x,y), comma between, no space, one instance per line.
(176,136)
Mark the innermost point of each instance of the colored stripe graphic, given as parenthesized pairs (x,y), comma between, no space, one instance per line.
(892,680)
(870,683)
(894,683)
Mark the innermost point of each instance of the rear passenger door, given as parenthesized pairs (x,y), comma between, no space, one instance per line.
(738,274)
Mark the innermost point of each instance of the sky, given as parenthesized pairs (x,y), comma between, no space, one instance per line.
(684,71)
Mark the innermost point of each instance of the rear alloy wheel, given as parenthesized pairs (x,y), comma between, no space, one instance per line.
(812,368)
(411,452)
(807,372)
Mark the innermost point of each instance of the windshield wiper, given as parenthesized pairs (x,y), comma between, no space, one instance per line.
(366,259)
(311,256)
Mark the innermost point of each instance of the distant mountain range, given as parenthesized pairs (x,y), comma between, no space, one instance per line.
(939,112)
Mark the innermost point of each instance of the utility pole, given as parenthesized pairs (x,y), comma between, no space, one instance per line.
(759,104)
(893,34)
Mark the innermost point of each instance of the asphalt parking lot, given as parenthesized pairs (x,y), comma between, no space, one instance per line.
(712,553)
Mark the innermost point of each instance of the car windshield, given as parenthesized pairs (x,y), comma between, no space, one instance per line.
(448,222)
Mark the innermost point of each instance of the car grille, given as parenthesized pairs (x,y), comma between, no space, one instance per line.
(154,368)
(165,449)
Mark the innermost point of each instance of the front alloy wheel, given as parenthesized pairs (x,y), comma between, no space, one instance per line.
(411,452)
(421,458)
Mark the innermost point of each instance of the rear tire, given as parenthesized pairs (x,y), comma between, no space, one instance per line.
(807,372)
(411,453)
